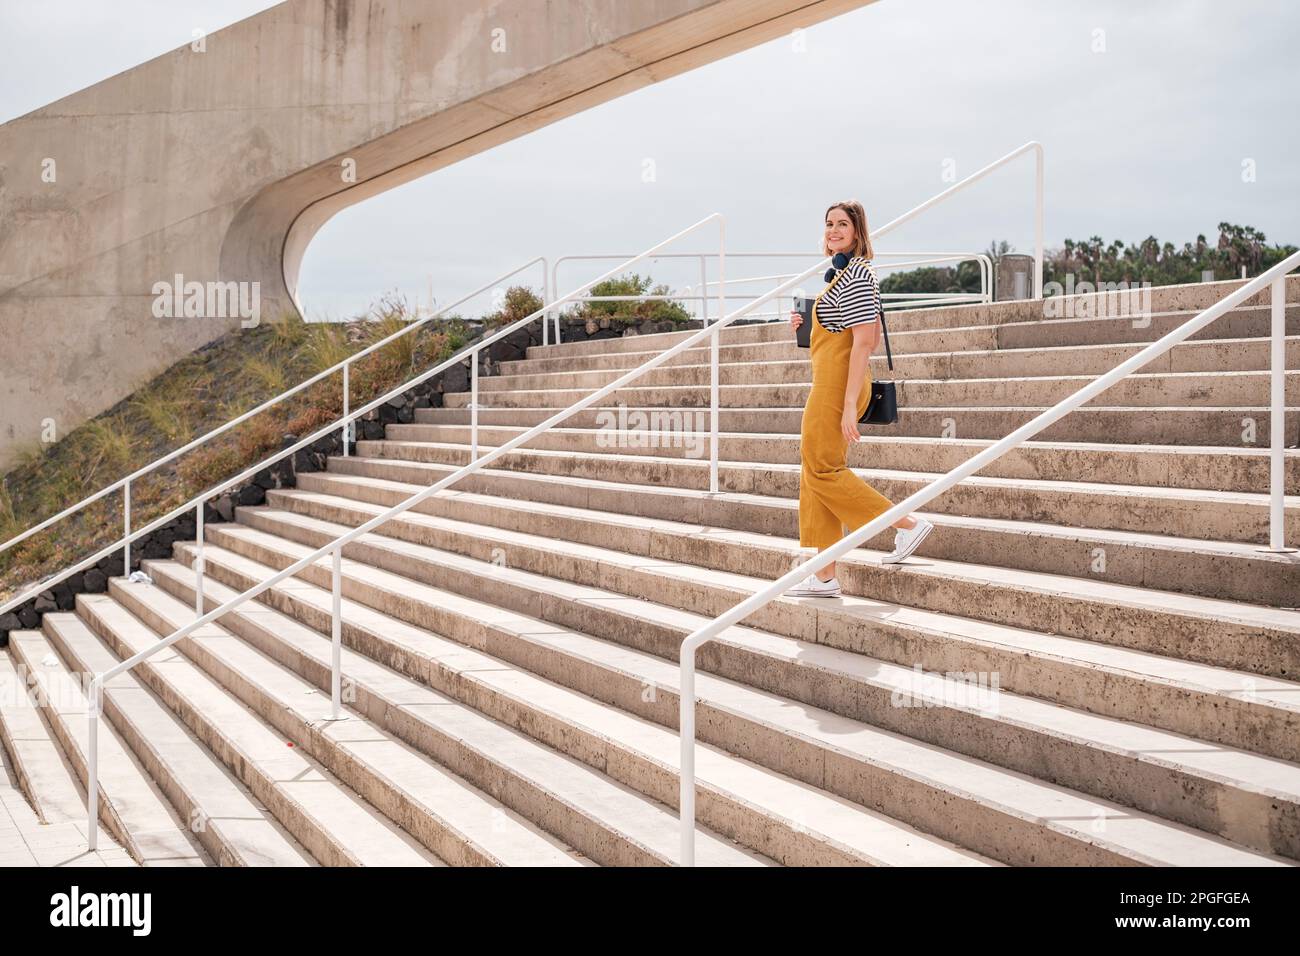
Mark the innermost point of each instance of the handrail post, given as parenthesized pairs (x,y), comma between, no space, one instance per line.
(553,283)
(336,638)
(1277,417)
(126,529)
(347,425)
(713,410)
(704,291)
(1038,221)
(473,404)
(92,762)
(555,288)
(714,346)
(198,559)
(686,778)
(546,313)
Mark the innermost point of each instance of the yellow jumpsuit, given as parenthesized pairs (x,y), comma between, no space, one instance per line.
(830,495)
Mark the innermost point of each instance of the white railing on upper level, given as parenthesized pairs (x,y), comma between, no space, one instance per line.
(124,484)
(700,293)
(1273,279)
(896,300)
(1035,147)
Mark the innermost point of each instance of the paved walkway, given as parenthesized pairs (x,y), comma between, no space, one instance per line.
(26,841)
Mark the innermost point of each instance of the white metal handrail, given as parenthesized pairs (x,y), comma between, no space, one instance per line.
(125,483)
(335,547)
(904,299)
(901,299)
(1274,279)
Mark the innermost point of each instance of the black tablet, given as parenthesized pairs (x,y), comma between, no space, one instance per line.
(803,335)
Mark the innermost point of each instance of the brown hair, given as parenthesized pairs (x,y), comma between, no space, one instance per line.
(858,217)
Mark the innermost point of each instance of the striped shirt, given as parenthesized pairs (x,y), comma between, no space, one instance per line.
(852,298)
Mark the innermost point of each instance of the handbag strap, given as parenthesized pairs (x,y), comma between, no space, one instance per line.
(880,312)
(889,356)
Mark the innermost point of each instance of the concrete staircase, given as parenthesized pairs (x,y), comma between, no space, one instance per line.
(1090,662)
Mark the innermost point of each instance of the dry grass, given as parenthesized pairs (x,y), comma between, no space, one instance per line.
(107,447)
(168,416)
(325,346)
(207,465)
(8,520)
(266,375)
(401,351)
(199,393)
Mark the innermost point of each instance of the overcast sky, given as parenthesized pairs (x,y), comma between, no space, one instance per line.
(1147,109)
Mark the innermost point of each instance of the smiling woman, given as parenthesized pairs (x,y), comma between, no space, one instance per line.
(831,496)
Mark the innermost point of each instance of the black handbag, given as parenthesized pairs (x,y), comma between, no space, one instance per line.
(882,407)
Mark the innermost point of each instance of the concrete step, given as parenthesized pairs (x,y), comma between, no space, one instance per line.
(1086,330)
(1214,703)
(1181,512)
(978,328)
(1046,741)
(1187,297)
(1156,466)
(1198,566)
(553,801)
(416,561)
(592,371)
(42,809)
(1195,389)
(1173,304)
(1252,638)
(574,659)
(1174,425)
(229,821)
(783,819)
(132,808)
(35,757)
(442,810)
(332,823)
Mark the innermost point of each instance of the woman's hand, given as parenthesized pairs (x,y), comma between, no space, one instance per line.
(796,319)
(849,423)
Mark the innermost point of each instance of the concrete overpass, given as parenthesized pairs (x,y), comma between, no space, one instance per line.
(220,160)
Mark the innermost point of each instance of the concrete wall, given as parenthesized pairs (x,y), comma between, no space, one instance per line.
(221,165)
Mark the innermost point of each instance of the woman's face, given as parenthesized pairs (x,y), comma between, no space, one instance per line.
(839,231)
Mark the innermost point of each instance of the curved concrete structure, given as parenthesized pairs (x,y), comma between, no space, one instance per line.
(219,161)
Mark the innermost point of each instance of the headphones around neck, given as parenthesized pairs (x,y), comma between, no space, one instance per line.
(837,263)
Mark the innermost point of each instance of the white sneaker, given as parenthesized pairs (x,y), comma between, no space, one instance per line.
(907,540)
(812,586)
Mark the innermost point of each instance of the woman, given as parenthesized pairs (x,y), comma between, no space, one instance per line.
(845,331)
